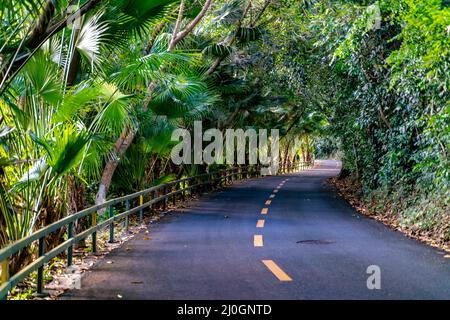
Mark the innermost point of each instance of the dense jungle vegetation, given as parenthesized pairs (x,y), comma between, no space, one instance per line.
(91,91)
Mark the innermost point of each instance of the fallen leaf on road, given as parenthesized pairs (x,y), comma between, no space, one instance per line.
(136,282)
(146,238)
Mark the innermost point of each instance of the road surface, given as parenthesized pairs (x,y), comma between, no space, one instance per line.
(306,243)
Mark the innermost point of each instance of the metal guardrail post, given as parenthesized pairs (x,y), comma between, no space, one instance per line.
(40,272)
(5,275)
(94,234)
(127,207)
(141,212)
(183,188)
(209,182)
(152,197)
(111,225)
(165,199)
(174,197)
(70,249)
(201,187)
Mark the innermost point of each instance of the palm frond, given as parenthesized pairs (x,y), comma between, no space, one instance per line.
(183,96)
(67,151)
(228,13)
(247,34)
(136,18)
(74,100)
(218,50)
(92,35)
(115,113)
(138,74)
(43,76)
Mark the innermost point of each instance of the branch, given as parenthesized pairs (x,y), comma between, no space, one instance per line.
(252,24)
(217,62)
(41,26)
(383,117)
(62,24)
(176,29)
(180,36)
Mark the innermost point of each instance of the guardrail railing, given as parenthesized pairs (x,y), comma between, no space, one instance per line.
(148,198)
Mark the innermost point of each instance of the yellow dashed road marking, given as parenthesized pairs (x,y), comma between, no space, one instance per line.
(260,223)
(258,240)
(276,270)
(268,202)
(264,210)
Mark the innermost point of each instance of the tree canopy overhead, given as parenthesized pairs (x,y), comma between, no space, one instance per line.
(91,91)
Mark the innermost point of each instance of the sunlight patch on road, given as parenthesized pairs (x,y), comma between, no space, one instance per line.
(268,202)
(264,210)
(276,270)
(272,196)
(260,223)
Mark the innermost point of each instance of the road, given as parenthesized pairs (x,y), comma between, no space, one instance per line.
(309,244)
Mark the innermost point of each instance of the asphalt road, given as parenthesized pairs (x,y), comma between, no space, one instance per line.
(217,249)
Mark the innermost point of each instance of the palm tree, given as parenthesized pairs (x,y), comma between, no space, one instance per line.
(126,138)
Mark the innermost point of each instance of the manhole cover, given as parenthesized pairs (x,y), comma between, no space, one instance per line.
(315,242)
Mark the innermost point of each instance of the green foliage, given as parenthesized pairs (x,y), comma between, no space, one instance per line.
(366,81)
(380,74)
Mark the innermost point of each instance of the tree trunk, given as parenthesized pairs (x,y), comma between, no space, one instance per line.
(74,67)
(121,146)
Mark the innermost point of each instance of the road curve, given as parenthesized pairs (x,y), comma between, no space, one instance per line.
(310,245)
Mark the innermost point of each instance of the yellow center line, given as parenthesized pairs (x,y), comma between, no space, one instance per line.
(264,210)
(272,196)
(268,202)
(260,223)
(258,240)
(276,270)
